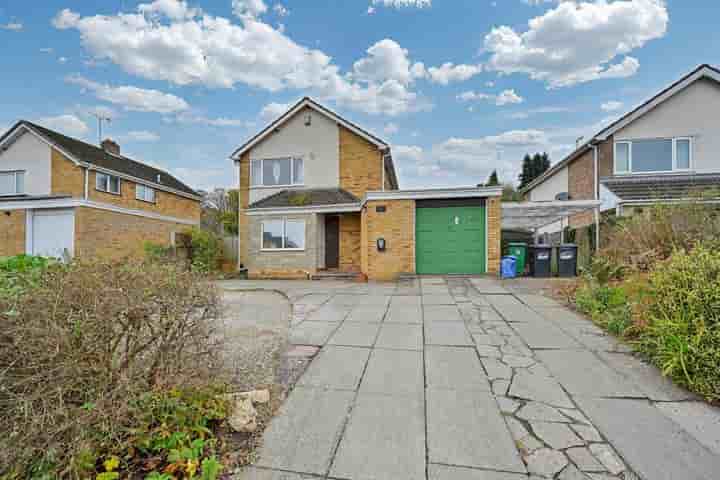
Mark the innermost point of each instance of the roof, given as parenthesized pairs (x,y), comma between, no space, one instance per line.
(703,71)
(661,187)
(534,215)
(307,197)
(96,156)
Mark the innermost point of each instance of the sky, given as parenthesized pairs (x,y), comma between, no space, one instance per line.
(458,88)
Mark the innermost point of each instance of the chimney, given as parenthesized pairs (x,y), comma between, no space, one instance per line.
(110,146)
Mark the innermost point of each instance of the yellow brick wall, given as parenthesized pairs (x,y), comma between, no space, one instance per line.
(66,177)
(494,222)
(114,236)
(360,164)
(397,226)
(350,242)
(244,201)
(12,233)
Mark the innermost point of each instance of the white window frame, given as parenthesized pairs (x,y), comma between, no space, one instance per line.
(145,188)
(284,221)
(107,184)
(675,168)
(15,174)
(292,183)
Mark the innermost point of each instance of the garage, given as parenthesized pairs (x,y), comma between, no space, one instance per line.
(52,233)
(450,236)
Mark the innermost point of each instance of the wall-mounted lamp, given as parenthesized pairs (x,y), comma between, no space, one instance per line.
(381,244)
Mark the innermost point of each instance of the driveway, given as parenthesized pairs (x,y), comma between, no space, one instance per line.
(455,379)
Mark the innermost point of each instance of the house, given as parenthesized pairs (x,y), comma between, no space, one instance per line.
(320,194)
(665,150)
(61,196)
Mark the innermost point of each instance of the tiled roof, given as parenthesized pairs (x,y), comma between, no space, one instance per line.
(663,186)
(307,197)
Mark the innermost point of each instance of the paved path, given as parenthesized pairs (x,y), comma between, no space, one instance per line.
(463,379)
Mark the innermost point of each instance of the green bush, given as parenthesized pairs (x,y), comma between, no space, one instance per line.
(19,273)
(206,250)
(607,305)
(682,335)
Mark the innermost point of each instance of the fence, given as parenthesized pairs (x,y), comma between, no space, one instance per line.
(230,248)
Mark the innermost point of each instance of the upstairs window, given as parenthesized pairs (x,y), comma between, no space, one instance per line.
(107,183)
(276,172)
(657,155)
(12,183)
(144,193)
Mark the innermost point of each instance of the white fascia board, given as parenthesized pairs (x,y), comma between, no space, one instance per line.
(78,202)
(433,193)
(342,208)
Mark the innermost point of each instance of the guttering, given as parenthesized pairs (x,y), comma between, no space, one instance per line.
(303,210)
(433,193)
(651,201)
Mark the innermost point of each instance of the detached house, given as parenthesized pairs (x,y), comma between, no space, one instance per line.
(320,194)
(665,150)
(60,196)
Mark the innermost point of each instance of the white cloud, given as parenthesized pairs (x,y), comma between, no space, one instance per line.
(449,72)
(214,52)
(490,84)
(578,42)
(67,124)
(62,60)
(391,128)
(139,136)
(370,10)
(538,111)
(46,50)
(190,118)
(611,106)
(12,26)
(98,110)
(177,10)
(281,10)
(505,97)
(403,3)
(248,8)
(273,110)
(387,60)
(132,98)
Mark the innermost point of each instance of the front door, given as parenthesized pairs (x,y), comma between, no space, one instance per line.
(332,242)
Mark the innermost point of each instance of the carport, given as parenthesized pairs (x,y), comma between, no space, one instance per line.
(532,216)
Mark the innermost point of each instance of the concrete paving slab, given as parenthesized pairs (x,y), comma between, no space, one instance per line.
(454,368)
(437,299)
(468,430)
(394,372)
(384,440)
(582,373)
(445,472)
(355,334)
(377,300)
(312,333)
(544,335)
(581,329)
(252,473)
(400,336)
(441,313)
(655,447)
(496,369)
(405,301)
(329,313)
(541,412)
(488,286)
(540,388)
(367,314)
(647,377)
(351,299)
(404,314)
(501,301)
(303,437)
(339,368)
(520,314)
(699,419)
(447,333)
(557,435)
(535,300)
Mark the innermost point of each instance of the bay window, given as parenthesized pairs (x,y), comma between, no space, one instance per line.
(107,183)
(655,155)
(12,183)
(283,234)
(274,172)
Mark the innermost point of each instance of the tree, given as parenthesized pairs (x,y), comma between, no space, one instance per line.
(493,180)
(533,167)
(220,210)
(509,194)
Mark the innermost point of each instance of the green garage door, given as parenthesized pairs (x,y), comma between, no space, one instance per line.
(450,239)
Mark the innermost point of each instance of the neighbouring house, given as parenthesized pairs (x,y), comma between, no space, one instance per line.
(60,197)
(320,194)
(665,150)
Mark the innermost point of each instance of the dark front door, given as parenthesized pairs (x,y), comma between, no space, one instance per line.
(332,242)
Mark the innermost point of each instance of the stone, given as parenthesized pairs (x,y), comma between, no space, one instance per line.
(546,462)
(500,387)
(587,432)
(525,442)
(489,339)
(355,334)
(540,412)
(312,333)
(556,435)
(544,335)
(605,455)
(575,415)
(516,361)
(488,351)
(699,419)
(585,460)
(647,377)
(244,416)
(507,405)
(495,369)
(441,313)
(252,473)
(446,472)
(257,396)
(539,388)
(399,336)
(336,367)
(394,372)
(572,473)
(454,368)
(447,333)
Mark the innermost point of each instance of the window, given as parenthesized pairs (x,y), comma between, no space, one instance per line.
(107,183)
(12,183)
(146,194)
(277,172)
(653,155)
(283,234)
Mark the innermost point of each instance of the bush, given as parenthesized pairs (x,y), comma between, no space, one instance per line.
(607,305)
(19,273)
(682,335)
(97,362)
(206,250)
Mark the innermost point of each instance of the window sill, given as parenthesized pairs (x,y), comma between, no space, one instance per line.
(145,201)
(269,250)
(265,187)
(118,194)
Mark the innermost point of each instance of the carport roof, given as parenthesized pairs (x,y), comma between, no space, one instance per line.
(534,215)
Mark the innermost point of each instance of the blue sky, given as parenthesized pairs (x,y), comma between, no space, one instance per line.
(459,88)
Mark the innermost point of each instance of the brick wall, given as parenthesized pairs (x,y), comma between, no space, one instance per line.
(580,186)
(397,226)
(360,164)
(66,177)
(12,233)
(281,264)
(114,236)
(350,242)
(244,201)
(494,221)
(606,156)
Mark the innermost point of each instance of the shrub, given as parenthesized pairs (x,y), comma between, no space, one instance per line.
(206,250)
(78,356)
(606,305)
(19,273)
(155,252)
(682,335)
